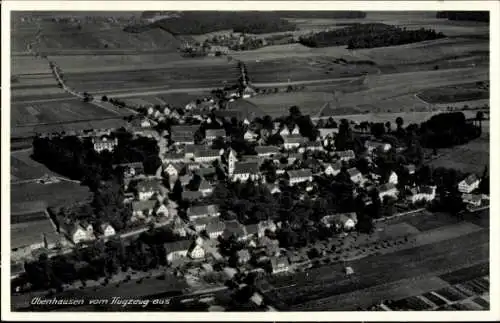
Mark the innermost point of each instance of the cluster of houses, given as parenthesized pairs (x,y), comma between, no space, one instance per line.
(195,166)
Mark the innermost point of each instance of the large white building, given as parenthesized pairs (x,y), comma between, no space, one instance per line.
(104,143)
(299,176)
(469,184)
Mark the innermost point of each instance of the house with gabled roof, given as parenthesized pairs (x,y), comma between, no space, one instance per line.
(345,155)
(172,170)
(212,134)
(299,176)
(191,196)
(279,265)
(177,249)
(274,188)
(215,228)
(244,171)
(249,135)
(469,184)
(266,151)
(355,175)
(202,211)
(206,155)
(234,228)
(325,133)
(472,199)
(293,141)
(173,157)
(205,187)
(142,209)
(196,251)
(147,187)
(387,189)
(422,193)
(333,169)
(340,221)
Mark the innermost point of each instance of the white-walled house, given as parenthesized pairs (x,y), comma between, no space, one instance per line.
(469,184)
(345,155)
(422,193)
(333,169)
(244,171)
(146,188)
(293,141)
(279,264)
(196,251)
(388,189)
(177,249)
(107,230)
(341,221)
(104,143)
(393,178)
(373,145)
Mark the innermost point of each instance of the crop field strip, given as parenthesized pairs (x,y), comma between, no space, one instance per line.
(374,270)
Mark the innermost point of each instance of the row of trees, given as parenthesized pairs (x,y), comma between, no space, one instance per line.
(368,36)
(101,259)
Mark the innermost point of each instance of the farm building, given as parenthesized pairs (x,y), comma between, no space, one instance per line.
(279,264)
(266,151)
(244,171)
(422,193)
(333,169)
(388,189)
(345,155)
(177,249)
(202,211)
(147,187)
(293,141)
(355,175)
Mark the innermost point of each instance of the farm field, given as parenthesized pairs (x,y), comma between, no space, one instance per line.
(61,111)
(174,77)
(449,245)
(34,197)
(24,131)
(22,167)
(459,92)
(470,158)
(303,69)
(276,105)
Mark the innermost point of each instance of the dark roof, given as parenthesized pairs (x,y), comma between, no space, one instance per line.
(148,184)
(143,205)
(182,138)
(336,166)
(345,153)
(300,173)
(266,149)
(294,139)
(202,209)
(184,130)
(386,187)
(177,246)
(353,171)
(205,221)
(135,165)
(206,152)
(216,225)
(173,156)
(425,189)
(191,195)
(275,261)
(214,133)
(246,167)
(235,228)
(252,228)
(205,185)
(206,171)
(471,179)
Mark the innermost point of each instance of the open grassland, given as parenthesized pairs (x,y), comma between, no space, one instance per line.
(470,158)
(29,65)
(34,197)
(22,167)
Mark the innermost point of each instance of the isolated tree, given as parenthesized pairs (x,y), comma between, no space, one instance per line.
(399,122)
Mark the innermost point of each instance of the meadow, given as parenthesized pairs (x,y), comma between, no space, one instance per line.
(276,105)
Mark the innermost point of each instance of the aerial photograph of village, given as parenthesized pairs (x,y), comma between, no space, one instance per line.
(251,161)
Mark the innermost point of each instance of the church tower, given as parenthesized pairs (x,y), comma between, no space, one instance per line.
(231,161)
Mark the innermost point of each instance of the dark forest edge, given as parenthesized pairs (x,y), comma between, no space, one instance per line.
(465,15)
(253,22)
(369,36)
